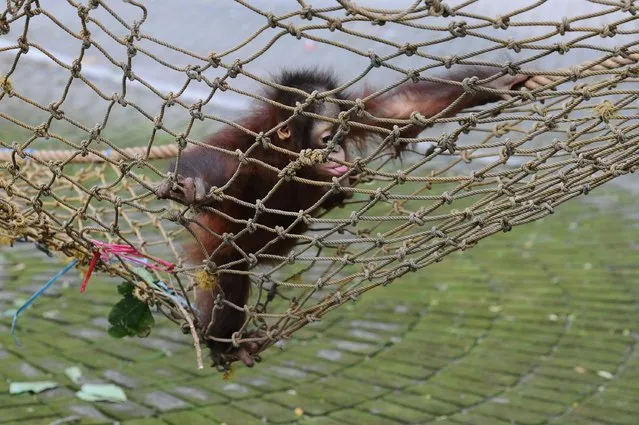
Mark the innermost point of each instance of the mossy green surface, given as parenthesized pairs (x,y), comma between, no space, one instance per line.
(534,326)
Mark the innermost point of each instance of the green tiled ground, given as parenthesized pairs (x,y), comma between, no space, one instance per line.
(538,326)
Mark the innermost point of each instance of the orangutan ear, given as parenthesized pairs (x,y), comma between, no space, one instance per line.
(284,132)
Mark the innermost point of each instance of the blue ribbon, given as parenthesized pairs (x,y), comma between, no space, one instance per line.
(173,295)
(36,295)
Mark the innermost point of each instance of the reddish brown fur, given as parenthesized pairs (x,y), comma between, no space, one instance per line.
(254,182)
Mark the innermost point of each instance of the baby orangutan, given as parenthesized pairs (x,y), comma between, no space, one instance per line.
(202,168)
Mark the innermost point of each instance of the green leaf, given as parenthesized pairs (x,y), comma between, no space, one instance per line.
(101,392)
(31,387)
(118,332)
(126,288)
(144,274)
(74,374)
(130,317)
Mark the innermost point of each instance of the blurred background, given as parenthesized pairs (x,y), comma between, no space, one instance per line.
(536,326)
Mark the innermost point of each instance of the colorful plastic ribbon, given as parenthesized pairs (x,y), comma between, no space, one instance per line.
(126,252)
(36,295)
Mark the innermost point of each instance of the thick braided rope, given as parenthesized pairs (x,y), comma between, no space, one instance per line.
(170,151)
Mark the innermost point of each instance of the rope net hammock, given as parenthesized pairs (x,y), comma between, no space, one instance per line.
(74,182)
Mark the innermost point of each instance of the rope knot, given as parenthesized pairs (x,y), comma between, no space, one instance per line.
(272,22)
(196,110)
(219,84)
(293,30)
(354,218)
(135,29)
(550,123)
(414,218)
(263,140)
(447,142)
(55,112)
(469,85)
(126,70)
(501,22)
(214,60)
(457,29)
(307,12)
(131,50)
(513,45)
(281,233)
(334,24)
(228,238)
(86,39)
(215,194)
(413,75)
(411,265)
(606,110)
(449,61)
(585,93)
(608,31)
(529,167)
(575,73)
(471,120)
(408,49)
(41,131)
(394,135)
(235,69)
(170,99)
(344,121)
(619,134)
(376,61)
(629,7)
(562,48)
(400,253)
(418,119)
(4,26)
(380,195)
(360,107)
(469,214)
(438,233)
(193,72)
(512,68)
(317,242)
(234,339)
(616,170)
(508,150)
(119,100)
(548,207)
(83,12)
(436,8)
(76,67)
(563,26)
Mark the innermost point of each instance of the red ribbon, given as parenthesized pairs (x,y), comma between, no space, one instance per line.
(92,264)
(125,252)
